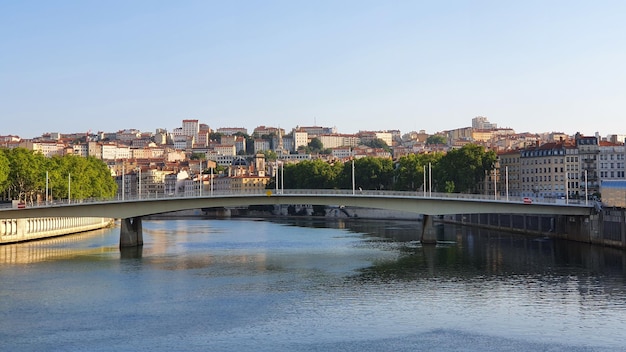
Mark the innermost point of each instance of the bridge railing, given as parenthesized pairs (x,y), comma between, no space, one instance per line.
(287,192)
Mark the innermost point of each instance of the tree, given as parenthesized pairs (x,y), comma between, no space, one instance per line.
(197,156)
(369,173)
(464,167)
(316,145)
(67,175)
(270,155)
(436,139)
(216,136)
(378,143)
(25,175)
(409,171)
(4,170)
(311,174)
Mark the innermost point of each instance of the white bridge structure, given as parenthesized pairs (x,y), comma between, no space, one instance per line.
(131,211)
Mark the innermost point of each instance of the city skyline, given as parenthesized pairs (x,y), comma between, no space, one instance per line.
(357,65)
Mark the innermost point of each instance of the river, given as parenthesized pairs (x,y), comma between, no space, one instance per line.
(310,285)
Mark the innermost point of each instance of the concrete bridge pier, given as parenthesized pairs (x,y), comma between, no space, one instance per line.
(131,232)
(429,233)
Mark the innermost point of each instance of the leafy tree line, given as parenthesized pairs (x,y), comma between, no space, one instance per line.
(459,171)
(23,176)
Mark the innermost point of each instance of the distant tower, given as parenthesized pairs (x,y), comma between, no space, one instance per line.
(280,142)
(259,164)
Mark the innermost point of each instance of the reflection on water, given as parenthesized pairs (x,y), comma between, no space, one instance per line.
(310,285)
(63,247)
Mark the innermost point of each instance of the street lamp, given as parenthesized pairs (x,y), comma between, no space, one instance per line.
(353,179)
(586,193)
(430,180)
(139,192)
(506,171)
(424,180)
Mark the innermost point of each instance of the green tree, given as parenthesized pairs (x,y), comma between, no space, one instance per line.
(270,155)
(84,177)
(216,136)
(310,174)
(436,139)
(465,168)
(4,170)
(378,143)
(197,156)
(369,173)
(411,169)
(25,176)
(315,145)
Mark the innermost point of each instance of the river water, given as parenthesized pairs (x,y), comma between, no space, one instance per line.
(310,285)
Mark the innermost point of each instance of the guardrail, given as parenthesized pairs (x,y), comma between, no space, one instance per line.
(343,192)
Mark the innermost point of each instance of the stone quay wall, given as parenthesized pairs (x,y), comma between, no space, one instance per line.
(607,228)
(20,230)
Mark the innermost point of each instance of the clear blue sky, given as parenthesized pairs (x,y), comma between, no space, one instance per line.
(537,66)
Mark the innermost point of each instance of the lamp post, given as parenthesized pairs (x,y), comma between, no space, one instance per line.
(586,189)
(506,171)
(495,185)
(46,187)
(123,180)
(430,180)
(353,178)
(424,180)
(566,187)
(69,188)
(139,191)
(277,172)
(211,181)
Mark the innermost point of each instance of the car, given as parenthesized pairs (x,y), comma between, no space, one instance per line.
(527,200)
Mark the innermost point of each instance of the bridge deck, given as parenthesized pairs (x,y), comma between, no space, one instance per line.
(436,204)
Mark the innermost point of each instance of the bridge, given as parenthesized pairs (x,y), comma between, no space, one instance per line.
(131,211)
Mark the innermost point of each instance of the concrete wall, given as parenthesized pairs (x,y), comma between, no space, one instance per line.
(607,228)
(19,230)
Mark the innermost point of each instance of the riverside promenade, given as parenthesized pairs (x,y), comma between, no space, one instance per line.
(20,230)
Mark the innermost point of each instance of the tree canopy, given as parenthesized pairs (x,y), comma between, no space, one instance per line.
(463,170)
(436,139)
(68,176)
(460,170)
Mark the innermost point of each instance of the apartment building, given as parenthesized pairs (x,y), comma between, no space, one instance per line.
(47,148)
(316,130)
(225,149)
(509,173)
(228,131)
(266,131)
(550,170)
(339,140)
(611,161)
(300,138)
(369,136)
(190,128)
(589,152)
(261,145)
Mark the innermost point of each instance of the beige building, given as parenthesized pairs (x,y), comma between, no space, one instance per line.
(339,140)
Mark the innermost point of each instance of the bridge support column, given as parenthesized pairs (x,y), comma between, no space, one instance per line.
(131,232)
(429,233)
